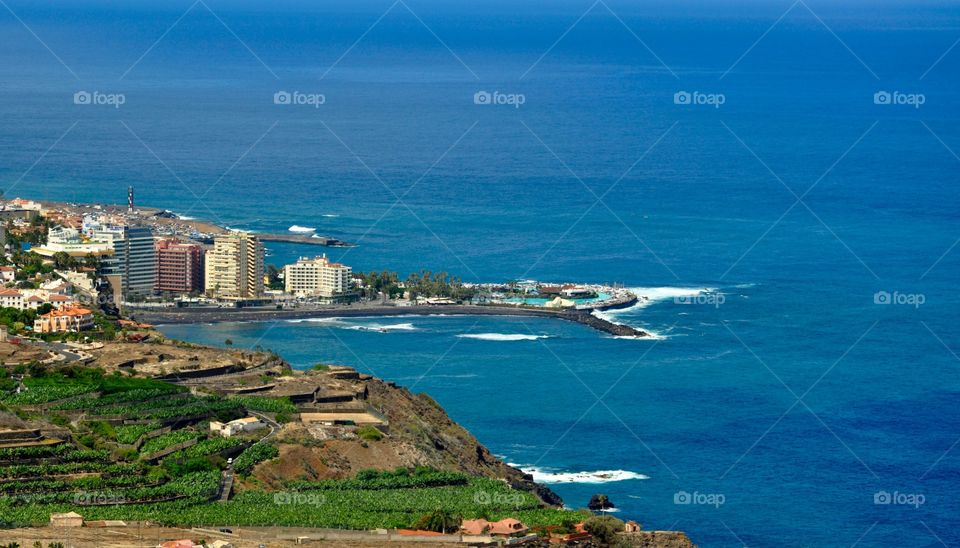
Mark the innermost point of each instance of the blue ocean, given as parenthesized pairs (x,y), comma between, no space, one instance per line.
(779,179)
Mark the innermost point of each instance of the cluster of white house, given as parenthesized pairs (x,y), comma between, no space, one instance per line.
(238,426)
(64,315)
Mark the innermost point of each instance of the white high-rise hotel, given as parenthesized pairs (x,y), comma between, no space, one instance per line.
(317,277)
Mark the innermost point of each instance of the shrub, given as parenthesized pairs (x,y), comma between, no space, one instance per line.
(369,433)
(604,528)
(103,430)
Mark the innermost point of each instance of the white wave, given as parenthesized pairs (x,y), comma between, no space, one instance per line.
(650,295)
(302,229)
(502,336)
(647,296)
(541,475)
(651,336)
(315,320)
(342,323)
(382,328)
(330,215)
(610,510)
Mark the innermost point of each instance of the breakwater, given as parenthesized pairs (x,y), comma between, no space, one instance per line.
(214,315)
(302,239)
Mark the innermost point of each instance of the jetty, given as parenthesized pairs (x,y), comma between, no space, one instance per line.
(257,314)
(304,239)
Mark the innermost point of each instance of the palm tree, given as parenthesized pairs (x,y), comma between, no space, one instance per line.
(439,520)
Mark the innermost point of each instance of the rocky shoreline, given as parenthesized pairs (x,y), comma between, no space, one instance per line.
(217,315)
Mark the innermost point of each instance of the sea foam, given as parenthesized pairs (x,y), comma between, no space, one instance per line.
(502,336)
(647,296)
(382,327)
(342,324)
(541,475)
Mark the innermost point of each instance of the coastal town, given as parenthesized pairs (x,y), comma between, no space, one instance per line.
(67,262)
(110,431)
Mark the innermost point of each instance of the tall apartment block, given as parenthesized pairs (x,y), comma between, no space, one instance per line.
(134,258)
(179,266)
(234,267)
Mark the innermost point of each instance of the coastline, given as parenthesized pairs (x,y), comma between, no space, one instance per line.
(218,315)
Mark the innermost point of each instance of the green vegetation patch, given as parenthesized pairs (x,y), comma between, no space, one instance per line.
(207,447)
(369,433)
(253,455)
(44,386)
(129,434)
(265,404)
(47,389)
(160,443)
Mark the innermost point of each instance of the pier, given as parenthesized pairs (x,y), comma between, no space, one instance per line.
(252,314)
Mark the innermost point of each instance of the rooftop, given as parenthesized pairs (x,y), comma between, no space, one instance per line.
(73,311)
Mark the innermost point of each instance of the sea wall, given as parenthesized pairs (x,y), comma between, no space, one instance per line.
(214,315)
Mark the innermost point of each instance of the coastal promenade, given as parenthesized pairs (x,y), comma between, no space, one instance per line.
(214,315)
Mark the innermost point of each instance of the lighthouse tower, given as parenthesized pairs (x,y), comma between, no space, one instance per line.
(130,199)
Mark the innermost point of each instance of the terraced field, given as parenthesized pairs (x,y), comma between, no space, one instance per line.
(118,422)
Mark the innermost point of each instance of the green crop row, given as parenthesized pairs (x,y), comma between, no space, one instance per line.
(254,455)
(41,485)
(357,509)
(131,433)
(42,470)
(381,481)
(167,440)
(98,402)
(207,447)
(266,405)
(45,390)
